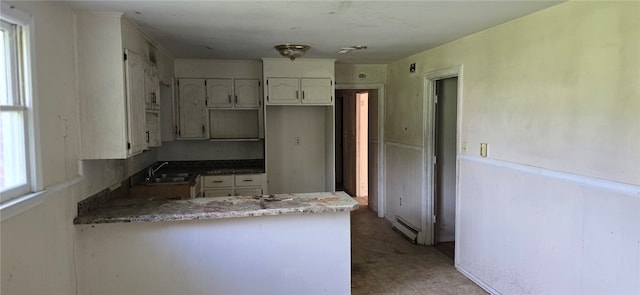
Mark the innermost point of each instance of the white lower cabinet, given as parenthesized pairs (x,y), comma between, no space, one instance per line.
(233,185)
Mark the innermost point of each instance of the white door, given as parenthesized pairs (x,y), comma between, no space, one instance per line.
(317,90)
(283,91)
(219,93)
(192,110)
(445,152)
(134,71)
(247,93)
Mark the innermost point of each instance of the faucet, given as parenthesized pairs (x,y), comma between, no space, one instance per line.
(152,172)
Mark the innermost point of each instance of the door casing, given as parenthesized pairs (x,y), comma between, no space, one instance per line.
(380,180)
(426,236)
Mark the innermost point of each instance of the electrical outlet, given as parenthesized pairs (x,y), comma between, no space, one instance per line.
(483,149)
(297,140)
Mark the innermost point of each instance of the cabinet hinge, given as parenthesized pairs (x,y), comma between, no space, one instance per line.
(267,81)
(125,56)
(435,98)
(331,82)
(259,84)
(128,145)
(267,98)
(178,82)
(205,82)
(434,219)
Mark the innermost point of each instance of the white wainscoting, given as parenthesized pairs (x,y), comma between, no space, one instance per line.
(403,182)
(528,230)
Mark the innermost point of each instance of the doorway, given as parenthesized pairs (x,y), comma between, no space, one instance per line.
(444,176)
(356,134)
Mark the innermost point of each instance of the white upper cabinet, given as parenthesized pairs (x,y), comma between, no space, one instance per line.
(303,81)
(219,93)
(283,91)
(233,93)
(317,90)
(112,85)
(247,93)
(192,122)
(135,76)
(152,87)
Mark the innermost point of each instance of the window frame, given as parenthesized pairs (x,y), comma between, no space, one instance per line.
(26,102)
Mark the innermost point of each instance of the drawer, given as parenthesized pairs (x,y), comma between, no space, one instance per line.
(248,192)
(218,192)
(248,180)
(217,181)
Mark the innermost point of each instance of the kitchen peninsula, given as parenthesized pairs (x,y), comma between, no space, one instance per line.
(270,244)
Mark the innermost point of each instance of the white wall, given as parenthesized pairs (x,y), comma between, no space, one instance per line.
(351,73)
(556,91)
(37,245)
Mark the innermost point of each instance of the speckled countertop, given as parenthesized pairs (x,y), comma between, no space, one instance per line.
(142,210)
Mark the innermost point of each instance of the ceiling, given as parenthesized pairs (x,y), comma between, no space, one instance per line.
(248,30)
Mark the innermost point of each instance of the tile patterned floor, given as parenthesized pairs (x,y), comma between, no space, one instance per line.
(382,262)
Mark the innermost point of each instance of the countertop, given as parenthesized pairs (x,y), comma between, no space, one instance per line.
(143,210)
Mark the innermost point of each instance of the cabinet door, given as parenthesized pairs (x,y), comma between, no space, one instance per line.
(217,181)
(317,90)
(192,111)
(283,91)
(154,88)
(219,93)
(248,180)
(153,129)
(247,93)
(134,71)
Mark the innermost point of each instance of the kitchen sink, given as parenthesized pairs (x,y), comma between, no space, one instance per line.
(169,185)
(170,178)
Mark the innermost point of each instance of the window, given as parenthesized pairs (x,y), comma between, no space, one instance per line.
(15,108)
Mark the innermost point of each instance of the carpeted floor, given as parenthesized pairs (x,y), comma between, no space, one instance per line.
(383,262)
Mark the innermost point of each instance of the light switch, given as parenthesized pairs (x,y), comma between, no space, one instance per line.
(483,149)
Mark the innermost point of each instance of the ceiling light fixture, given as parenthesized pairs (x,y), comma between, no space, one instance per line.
(292,51)
(351,48)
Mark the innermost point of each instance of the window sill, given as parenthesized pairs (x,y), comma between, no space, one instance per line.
(21,204)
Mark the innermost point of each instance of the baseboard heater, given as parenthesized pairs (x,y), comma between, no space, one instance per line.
(402,226)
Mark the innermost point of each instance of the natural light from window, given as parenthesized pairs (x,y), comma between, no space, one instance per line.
(14,174)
